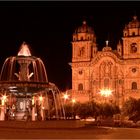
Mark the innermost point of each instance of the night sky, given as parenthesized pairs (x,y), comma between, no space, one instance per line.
(48,27)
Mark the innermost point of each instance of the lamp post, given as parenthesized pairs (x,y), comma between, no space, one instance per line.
(73,103)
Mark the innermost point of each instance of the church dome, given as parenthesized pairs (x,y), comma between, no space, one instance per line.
(133,24)
(84,28)
(132,28)
(107,48)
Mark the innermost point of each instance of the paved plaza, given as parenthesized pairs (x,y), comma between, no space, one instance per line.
(71,133)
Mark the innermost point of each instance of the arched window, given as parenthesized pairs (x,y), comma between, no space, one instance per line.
(133,48)
(134,85)
(106,83)
(133,34)
(81,51)
(74,39)
(80,86)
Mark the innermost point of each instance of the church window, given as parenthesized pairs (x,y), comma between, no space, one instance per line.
(80,72)
(120,81)
(133,48)
(94,82)
(106,83)
(81,51)
(133,34)
(80,86)
(134,70)
(134,85)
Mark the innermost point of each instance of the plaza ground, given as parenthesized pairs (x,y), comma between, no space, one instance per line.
(70,133)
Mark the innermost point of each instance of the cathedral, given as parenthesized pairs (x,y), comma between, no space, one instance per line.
(107,75)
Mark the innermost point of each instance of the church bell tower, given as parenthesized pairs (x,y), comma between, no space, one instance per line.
(131,39)
(84,44)
(83,50)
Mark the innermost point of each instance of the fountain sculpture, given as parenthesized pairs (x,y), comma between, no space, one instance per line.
(25,90)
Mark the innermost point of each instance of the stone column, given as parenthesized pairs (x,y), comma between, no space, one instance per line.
(42,112)
(2,114)
(41,99)
(33,114)
(33,109)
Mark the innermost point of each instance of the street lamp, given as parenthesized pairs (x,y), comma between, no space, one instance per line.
(40,98)
(105,92)
(4,98)
(66,97)
(73,101)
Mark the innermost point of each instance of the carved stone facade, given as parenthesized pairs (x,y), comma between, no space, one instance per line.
(115,70)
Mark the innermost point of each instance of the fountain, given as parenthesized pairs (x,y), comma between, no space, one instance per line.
(25,90)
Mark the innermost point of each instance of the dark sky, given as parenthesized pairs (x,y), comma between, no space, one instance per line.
(48,28)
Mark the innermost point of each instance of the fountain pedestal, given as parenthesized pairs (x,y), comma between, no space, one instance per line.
(33,114)
(42,114)
(2,113)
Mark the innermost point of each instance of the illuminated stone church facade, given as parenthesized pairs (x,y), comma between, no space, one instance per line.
(115,70)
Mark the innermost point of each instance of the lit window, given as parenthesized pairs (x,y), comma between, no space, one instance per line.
(80,86)
(134,85)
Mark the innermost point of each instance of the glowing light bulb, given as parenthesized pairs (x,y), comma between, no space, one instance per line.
(73,100)
(66,96)
(40,98)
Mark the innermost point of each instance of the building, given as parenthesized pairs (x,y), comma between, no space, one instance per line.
(112,75)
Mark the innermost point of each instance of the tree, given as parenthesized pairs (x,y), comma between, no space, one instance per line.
(116,109)
(68,111)
(95,109)
(85,110)
(75,109)
(131,108)
(108,110)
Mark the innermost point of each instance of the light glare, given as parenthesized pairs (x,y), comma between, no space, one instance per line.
(40,98)
(105,92)
(66,96)
(73,100)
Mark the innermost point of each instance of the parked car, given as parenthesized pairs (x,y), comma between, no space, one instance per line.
(89,119)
